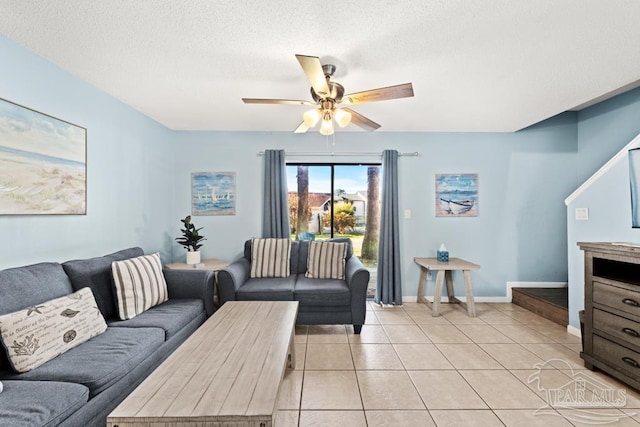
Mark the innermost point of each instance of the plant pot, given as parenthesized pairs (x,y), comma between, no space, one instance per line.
(193,257)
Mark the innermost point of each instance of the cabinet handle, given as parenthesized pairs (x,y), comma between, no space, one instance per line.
(630,361)
(631,302)
(631,332)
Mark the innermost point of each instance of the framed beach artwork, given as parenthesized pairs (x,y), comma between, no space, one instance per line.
(456,195)
(43,163)
(213,193)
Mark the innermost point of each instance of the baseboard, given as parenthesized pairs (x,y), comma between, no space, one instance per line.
(506,298)
(574,331)
(461,298)
(511,285)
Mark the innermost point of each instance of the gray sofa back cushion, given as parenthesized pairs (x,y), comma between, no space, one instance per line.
(27,286)
(96,274)
(300,252)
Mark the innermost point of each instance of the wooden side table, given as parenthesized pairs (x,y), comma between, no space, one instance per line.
(444,270)
(207,264)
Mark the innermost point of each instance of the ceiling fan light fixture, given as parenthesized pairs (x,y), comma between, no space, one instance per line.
(326,128)
(312,117)
(343,118)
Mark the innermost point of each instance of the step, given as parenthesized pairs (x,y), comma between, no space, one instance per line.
(550,303)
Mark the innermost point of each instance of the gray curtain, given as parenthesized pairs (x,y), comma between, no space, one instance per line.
(389,286)
(275,213)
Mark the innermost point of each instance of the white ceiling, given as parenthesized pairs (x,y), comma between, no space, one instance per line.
(486,66)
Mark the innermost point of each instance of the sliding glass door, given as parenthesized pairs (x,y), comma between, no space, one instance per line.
(337,200)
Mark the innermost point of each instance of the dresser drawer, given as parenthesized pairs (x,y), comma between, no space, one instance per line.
(617,326)
(616,355)
(616,298)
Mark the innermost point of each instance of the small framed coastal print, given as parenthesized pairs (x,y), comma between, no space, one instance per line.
(43,161)
(213,193)
(456,195)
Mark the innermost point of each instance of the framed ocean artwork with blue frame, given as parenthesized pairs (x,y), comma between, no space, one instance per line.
(43,162)
(213,193)
(457,195)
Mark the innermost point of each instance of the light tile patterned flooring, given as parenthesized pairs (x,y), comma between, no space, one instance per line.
(408,368)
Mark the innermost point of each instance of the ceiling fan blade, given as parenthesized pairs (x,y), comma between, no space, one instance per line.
(302,128)
(313,69)
(391,92)
(362,121)
(277,101)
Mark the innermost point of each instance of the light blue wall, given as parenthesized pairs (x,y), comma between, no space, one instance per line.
(139,184)
(129,186)
(520,234)
(603,130)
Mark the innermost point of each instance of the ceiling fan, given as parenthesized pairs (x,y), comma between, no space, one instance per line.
(329,98)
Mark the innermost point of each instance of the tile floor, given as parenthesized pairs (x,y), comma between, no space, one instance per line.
(408,368)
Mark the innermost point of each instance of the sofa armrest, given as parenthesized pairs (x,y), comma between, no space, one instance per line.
(192,284)
(231,278)
(358,280)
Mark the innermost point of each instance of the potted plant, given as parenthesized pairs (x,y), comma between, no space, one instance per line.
(191,240)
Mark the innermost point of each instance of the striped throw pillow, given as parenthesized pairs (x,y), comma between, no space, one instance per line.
(326,260)
(140,284)
(270,257)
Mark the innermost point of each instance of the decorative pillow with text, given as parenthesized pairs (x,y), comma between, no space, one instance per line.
(40,333)
(270,257)
(140,284)
(326,260)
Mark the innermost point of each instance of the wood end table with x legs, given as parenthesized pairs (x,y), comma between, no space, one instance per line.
(444,271)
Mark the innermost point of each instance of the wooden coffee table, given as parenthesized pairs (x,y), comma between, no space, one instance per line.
(227,373)
(444,270)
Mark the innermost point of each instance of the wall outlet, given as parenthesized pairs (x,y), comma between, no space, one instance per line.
(582,214)
(407,214)
(428,275)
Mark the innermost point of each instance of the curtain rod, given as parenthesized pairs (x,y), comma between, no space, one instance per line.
(342,153)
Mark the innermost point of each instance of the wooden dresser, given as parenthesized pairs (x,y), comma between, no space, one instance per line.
(612,310)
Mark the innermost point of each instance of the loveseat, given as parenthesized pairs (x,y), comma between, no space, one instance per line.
(81,386)
(322,301)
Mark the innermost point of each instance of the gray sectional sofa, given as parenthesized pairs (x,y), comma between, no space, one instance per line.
(322,301)
(82,386)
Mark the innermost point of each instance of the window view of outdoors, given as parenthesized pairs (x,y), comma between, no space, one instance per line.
(337,201)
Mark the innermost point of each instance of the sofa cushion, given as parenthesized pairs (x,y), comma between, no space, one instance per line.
(39,403)
(321,292)
(267,289)
(303,252)
(34,284)
(96,274)
(293,255)
(171,316)
(139,284)
(326,260)
(270,257)
(41,332)
(101,361)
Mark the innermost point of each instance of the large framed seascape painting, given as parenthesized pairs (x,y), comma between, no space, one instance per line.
(213,193)
(457,195)
(43,163)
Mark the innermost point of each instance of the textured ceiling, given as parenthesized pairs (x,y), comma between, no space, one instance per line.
(487,66)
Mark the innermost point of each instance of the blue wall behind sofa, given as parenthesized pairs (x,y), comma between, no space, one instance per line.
(519,235)
(129,186)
